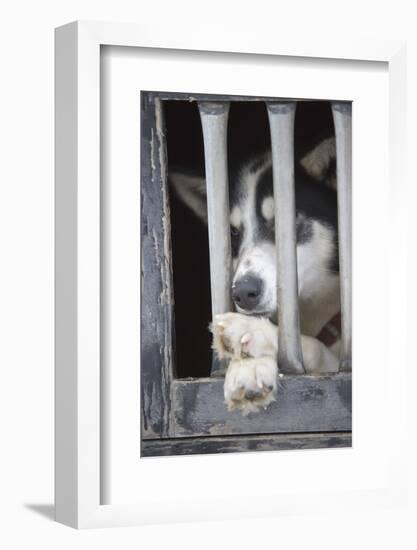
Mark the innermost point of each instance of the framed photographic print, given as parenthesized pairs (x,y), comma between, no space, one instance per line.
(213,276)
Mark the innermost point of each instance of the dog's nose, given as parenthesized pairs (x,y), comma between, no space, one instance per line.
(246,292)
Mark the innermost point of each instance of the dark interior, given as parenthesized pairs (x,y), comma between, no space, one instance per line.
(248,135)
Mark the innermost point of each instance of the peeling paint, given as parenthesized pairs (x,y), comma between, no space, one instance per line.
(155,242)
(307,404)
(156,356)
(238,444)
(152,151)
(219,429)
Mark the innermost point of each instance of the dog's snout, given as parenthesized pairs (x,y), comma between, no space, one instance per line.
(246,292)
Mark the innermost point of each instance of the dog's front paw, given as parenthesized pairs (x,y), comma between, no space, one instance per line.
(237,336)
(250,384)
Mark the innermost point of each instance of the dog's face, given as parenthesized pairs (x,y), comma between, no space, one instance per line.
(252,228)
(252,222)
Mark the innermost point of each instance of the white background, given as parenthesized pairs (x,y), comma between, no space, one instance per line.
(26,302)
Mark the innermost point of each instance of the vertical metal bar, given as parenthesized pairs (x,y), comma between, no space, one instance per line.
(342,116)
(281,122)
(214,117)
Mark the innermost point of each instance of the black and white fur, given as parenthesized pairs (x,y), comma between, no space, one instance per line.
(248,337)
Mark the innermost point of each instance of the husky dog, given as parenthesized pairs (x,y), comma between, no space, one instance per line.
(247,337)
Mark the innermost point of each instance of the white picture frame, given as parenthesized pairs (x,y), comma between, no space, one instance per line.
(79,407)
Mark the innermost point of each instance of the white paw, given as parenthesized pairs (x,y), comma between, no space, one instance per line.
(250,384)
(237,336)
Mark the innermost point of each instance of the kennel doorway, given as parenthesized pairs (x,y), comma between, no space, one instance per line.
(187,415)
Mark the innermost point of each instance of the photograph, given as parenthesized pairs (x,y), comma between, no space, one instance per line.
(208,275)
(245,325)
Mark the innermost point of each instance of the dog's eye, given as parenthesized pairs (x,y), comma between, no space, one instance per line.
(235,238)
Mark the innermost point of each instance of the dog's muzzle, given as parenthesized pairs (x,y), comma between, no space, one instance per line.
(247,292)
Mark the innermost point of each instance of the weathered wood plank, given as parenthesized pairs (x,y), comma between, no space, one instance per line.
(190,96)
(156,291)
(303,404)
(248,443)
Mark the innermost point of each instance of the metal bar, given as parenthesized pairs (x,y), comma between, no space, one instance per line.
(342,116)
(281,122)
(214,117)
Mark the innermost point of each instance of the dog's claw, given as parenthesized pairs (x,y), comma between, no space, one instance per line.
(250,384)
(237,336)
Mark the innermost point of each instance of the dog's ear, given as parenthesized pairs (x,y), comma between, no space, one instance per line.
(191,190)
(320,162)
